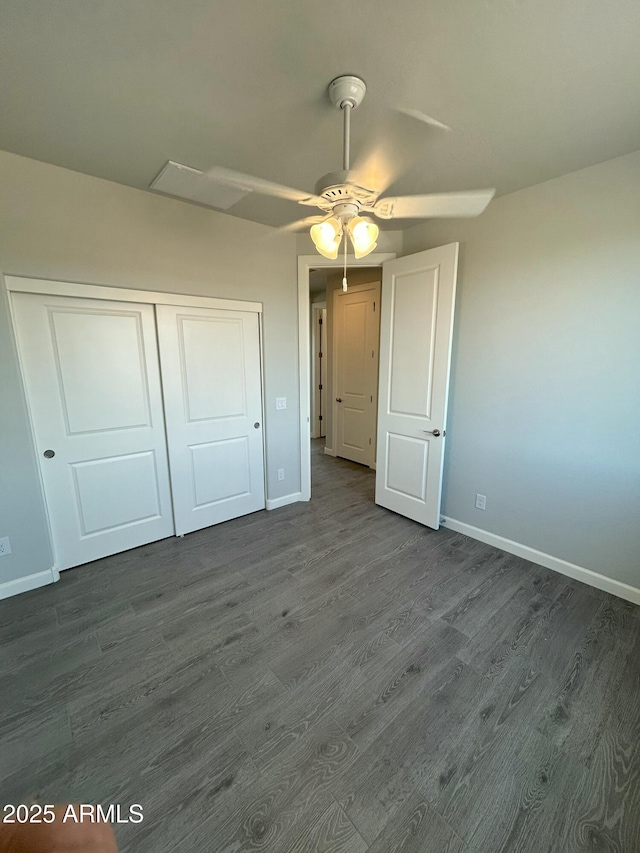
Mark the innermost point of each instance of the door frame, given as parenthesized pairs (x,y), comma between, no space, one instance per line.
(318,312)
(51,287)
(305,264)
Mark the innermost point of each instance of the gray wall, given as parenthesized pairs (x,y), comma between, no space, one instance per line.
(59,224)
(544,414)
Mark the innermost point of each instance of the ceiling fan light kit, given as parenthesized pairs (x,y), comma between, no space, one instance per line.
(327,236)
(364,235)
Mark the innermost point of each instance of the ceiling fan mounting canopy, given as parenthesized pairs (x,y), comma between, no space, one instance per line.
(347,90)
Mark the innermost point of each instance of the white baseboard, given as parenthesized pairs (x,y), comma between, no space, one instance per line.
(329,451)
(276,503)
(15,587)
(571,570)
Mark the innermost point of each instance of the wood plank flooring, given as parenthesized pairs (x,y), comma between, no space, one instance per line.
(328,677)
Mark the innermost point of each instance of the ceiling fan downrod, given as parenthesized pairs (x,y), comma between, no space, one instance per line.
(346,138)
(347,92)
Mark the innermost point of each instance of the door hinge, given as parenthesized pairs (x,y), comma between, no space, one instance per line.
(372,398)
(319,355)
(319,417)
(374,308)
(372,355)
(319,387)
(369,441)
(320,320)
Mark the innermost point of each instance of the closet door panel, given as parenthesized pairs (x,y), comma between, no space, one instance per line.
(92,379)
(211,379)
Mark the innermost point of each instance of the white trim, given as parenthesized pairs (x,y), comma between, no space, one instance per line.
(571,570)
(329,452)
(28,582)
(124,294)
(285,500)
(316,310)
(305,264)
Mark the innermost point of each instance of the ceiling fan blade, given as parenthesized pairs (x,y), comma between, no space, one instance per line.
(435,205)
(230,178)
(397,144)
(301,224)
(423,117)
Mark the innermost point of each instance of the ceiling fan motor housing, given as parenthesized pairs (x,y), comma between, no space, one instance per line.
(337,188)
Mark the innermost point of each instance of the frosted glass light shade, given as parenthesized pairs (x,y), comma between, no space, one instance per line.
(327,237)
(364,235)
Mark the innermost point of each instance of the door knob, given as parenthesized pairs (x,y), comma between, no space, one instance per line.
(256,425)
(49,454)
(435,432)
(338,399)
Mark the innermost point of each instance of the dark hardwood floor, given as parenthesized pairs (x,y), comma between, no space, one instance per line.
(328,677)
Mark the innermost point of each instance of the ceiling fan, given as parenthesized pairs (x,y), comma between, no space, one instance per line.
(343,201)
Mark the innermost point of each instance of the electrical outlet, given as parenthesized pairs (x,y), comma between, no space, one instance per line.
(5,546)
(280,473)
(481,501)
(281,402)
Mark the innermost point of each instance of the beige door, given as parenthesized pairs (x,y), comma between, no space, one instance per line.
(418,295)
(356,335)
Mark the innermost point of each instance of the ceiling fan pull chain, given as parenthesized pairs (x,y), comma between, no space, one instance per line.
(344,277)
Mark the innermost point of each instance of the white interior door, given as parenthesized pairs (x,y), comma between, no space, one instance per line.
(211,380)
(356,337)
(92,379)
(416,327)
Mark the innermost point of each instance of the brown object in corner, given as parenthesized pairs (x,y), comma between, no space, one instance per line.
(57,837)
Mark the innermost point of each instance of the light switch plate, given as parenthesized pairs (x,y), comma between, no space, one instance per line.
(281,402)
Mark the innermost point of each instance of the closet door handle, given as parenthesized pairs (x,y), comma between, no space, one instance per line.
(49,454)
(338,399)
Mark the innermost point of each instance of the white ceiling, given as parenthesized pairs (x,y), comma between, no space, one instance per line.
(532,88)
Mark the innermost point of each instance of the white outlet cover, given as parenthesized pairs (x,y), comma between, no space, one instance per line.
(5,546)
(281,402)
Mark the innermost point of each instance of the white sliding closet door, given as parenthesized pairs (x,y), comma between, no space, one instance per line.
(213,408)
(92,379)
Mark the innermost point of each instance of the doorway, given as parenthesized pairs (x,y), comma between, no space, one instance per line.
(313,269)
(416,320)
